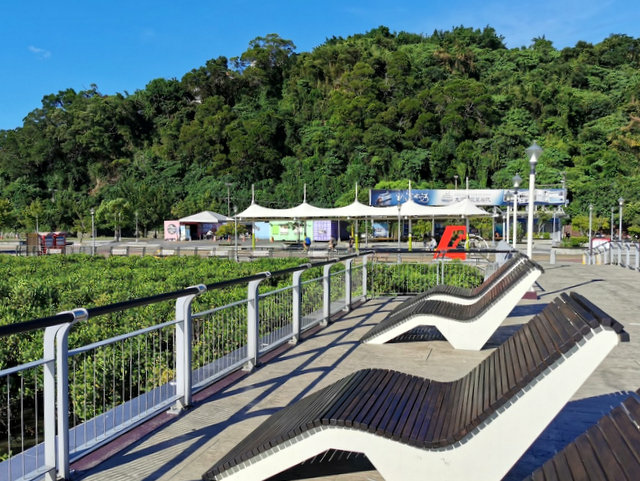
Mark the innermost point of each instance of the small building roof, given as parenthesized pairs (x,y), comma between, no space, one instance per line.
(205,217)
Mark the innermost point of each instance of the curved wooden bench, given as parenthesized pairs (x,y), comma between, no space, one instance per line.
(408,426)
(609,450)
(464,326)
(462,295)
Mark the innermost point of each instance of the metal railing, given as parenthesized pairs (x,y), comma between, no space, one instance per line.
(73,400)
(623,254)
(70,401)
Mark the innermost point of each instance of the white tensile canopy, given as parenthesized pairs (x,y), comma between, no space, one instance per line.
(357,210)
(206,217)
(464,208)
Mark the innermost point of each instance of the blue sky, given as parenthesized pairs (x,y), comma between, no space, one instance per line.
(48,46)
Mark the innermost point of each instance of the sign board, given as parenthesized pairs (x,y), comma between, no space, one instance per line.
(171,230)
(481,197)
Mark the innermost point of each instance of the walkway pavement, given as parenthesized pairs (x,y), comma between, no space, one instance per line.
(186,446)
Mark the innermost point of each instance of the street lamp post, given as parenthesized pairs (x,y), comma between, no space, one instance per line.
(611,234)
(136,213)
(590,231)
(533,152)
(398,223)
(455,179)
(620,202)
(516,184)
(93,232)
(508,229)
(235,231)
(228,184)
(493,226)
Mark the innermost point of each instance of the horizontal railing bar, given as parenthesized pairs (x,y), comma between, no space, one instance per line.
(34,324)
(275,291)
(122,337)
(220,308)
(22,367)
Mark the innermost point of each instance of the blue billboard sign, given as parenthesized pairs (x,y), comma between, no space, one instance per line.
(481,197)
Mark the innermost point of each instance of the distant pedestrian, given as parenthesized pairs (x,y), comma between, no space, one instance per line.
(307,243)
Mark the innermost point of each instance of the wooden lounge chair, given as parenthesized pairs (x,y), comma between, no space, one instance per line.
(473,428)
(463,295)
(464,326)
(609,450)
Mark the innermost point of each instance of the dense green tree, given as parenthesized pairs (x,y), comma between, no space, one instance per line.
(368,109)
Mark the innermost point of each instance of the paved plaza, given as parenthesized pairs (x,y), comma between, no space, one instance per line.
(185,446)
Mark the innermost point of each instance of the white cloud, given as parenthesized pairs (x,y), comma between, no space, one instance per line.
(41,53)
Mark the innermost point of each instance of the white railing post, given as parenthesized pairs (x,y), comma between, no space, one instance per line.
(619,253)
(253,330)
(628,247)
(62,389)
(364,277)
(637,246)
(184,335)
(347,284)
(326,295)
(297,304)
(49,395)
(552,256)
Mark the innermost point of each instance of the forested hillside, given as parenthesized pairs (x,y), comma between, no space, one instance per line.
(373,108)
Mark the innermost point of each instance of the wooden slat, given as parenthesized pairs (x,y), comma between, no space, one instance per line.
(604,454)
(577,321)
(395,405)
(428,424)
(374,414)
(587,315)
(449,420)
(542,339)
(629,432)
(359,420)
(443,415)
(532,341)
(574,461)
(561,466)
(589,459)
(333,413)
(620,449)
(423,418)
(409,402)
(416,410)
(521,337)
(549,470)
(360,402)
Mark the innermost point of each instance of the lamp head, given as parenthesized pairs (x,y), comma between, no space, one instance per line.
(92,211)
(620,201)
(533,152)
(516,181)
